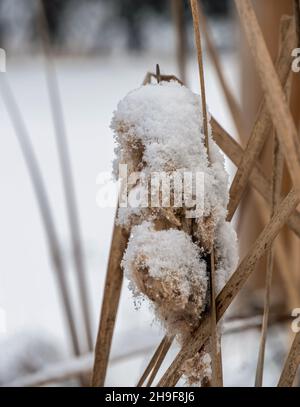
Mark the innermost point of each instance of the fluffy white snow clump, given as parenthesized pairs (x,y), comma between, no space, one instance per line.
(158,130)
(166,266)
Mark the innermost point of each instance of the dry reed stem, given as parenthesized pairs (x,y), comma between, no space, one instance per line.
(273,92)
(181,40)
(67,177)
(296,5)
(197,34)
(232,287)
(160,360)
(258,181)
(112,292)
(216,360)
(252,322)
(217,369)
(280,257)
(264,329)
(279,166)
(276,185)
(291,364)
(44,207)
(276,192)
(257,178)
(234,108)
(152,362)
(263,123)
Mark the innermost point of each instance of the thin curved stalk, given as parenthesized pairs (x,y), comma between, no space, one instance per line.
(160,360)
(67,177)
(111,298)
(277,174)
(181,40)
(263,124)
(274,95)
(234,107)
(44,207)
(152,362)
(291,364)
(216,360)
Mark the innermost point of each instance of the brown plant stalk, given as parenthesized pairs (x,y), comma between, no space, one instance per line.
(234,107)
(273,92)
(263,123)
(257,178)
(160,360)
(110,303)
(276,192)
(291,364)
(67,178)
(153,361)
(181,37)
(216,355)
(47,217)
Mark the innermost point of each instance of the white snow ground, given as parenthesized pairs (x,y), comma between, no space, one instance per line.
(90,91)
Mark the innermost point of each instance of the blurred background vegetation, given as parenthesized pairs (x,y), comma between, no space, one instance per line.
(92,25)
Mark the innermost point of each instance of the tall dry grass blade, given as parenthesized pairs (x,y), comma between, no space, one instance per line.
(216,360)
(263,123)
(44,208)
(110,303)
(262,346)
(197,34)
(181,39)
(280,257)
(273,92)
(291,364)
(217,369)
(232,287)
(261,245)
(257,178)
(296,4)
(234,108)
(276,192)
(243,324)
(277,175)
(152,362)
(161,358)
(258,181)
(67,177)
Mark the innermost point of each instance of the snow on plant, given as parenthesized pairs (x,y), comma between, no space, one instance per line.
(166,266)
(158,128)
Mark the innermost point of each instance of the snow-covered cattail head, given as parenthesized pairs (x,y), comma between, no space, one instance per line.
(158,129)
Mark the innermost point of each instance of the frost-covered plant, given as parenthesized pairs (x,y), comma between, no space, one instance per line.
(158,128)
(166,266)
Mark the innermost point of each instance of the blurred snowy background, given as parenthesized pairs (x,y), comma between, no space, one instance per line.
(102,50)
